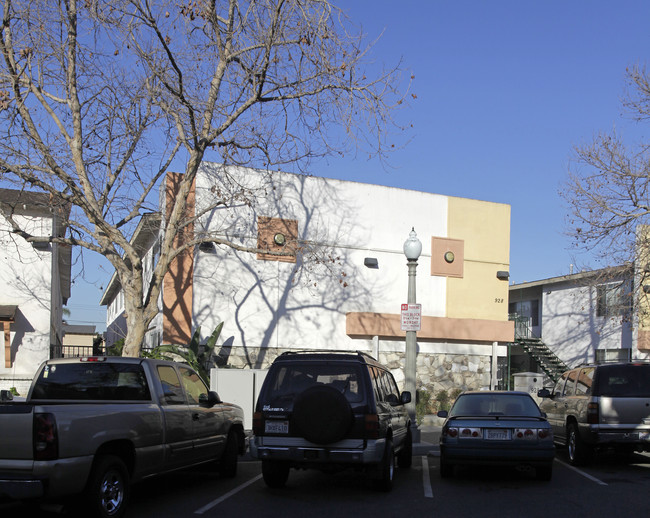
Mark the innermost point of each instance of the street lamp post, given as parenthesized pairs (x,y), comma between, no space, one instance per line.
(412,250)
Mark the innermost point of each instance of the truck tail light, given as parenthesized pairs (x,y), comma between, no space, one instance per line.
(371,426)
(258,423)
(46,440)
(592,413)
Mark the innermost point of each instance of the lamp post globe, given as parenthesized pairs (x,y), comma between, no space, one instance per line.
(412,246)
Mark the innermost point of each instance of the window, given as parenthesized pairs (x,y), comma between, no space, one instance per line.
(610,355)
(194,386)
(92,381)
(569,388)
(296,378)
(559,386)
(585,380)
(526,308)
(613,299)
(172,390)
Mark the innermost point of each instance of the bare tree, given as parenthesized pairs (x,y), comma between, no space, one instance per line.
(99,99)
(608,189)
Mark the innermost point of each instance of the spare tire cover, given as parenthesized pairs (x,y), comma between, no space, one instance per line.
(322,414)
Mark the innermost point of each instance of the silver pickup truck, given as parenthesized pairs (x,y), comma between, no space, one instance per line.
(92,426)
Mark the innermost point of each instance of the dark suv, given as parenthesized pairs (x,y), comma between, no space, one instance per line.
(600,406)
(331,411)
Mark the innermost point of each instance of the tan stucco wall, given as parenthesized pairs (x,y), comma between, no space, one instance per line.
(388,327)
(484,228)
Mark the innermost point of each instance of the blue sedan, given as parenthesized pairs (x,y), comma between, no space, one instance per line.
(496,428)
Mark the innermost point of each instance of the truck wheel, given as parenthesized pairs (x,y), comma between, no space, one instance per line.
(228,463)
(579,452)
(107,491)
(275,473)
(386,469)
(322,414)
(405,456)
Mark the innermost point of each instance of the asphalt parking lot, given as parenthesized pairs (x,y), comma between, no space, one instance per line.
(609,486)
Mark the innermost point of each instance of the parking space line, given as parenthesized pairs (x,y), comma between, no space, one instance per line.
(586,475)
(426,478)
(227,495)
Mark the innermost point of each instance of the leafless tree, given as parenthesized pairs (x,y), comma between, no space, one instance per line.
(99,99)
(608,190)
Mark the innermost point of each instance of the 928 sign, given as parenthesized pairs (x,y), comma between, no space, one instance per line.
(411,317)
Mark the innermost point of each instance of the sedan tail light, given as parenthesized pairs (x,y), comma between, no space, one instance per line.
(533,434)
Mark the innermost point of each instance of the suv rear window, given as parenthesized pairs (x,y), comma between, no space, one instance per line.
(624,380)
(96,381)
(291,380)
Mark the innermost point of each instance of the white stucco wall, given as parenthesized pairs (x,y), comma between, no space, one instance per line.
(26,280)
(346,221)
(571,327)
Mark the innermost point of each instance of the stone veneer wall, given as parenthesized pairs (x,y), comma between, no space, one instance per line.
(435,372)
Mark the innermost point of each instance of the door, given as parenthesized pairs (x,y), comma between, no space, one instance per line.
(209,427)
(177,418)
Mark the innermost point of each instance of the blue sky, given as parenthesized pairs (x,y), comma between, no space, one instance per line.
(505,90)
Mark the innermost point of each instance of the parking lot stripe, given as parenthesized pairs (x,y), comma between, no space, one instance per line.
(586,475)
(227,495)
(426,478)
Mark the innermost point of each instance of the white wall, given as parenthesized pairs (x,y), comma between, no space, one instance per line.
(572,329)
(26,280)
(346,221)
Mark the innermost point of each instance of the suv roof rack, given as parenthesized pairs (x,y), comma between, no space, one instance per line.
(327,351)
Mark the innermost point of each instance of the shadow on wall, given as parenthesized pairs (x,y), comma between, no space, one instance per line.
(20,327)
(580,332)
(222,357)
(274,302)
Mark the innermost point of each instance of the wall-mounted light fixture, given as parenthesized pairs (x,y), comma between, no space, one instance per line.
(279,239)
(41,245)
(207,247)
(450,256)
(371,262)
(503,275)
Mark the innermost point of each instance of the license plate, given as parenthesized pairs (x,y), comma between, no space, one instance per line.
(497,434)
(276,426)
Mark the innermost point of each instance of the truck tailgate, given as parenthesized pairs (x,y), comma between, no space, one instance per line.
(16,427)
(631,412)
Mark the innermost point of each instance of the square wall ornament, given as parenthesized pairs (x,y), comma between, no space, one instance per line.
(447,257)
(277,235)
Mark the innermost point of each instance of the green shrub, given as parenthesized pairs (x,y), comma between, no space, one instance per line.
(422,405)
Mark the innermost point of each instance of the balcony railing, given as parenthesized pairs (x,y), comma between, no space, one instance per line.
(75,351)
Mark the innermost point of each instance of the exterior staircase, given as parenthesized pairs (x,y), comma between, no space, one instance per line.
(536,349)
(546,359)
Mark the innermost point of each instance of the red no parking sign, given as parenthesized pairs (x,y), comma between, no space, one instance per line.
(411,317)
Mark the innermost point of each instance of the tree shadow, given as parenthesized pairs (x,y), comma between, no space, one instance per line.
(275,304)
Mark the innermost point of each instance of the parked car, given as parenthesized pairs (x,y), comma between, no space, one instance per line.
(91,426)
(496,428)
(600,406)
(331,411)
